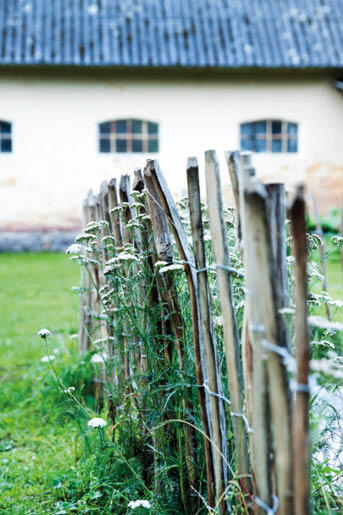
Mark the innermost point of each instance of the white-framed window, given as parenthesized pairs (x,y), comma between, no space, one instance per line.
(130,135)
(5,137)
(269,136)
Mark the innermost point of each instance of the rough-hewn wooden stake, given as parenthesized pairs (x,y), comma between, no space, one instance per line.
(277,219)
(252,196)
(322,253)
(301,448)
(231,337)
(235,162)
(214,385)
(233,159)
(166,201)
(114,215)
(167,291)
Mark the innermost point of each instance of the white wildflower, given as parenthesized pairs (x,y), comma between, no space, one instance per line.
(84,237)
(323,343)
(161,263)
(46,359)
(69,390)
(92,227)
(218,321)
(140,503)
(97,358)
(323,323)
(287,311)
(337,303)
(44,333)
(115,209)
(96,422)
(170,268)
(125,256)
(75,248)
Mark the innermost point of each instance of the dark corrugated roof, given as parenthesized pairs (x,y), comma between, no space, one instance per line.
(187,33)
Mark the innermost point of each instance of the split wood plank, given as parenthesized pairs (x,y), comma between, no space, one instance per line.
(230,329)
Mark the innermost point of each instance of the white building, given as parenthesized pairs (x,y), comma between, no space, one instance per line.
(90,92)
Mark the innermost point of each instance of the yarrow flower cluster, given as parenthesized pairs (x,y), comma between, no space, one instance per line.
(44,333)
(140,503)
(46,359)
(75,248)
(97,422)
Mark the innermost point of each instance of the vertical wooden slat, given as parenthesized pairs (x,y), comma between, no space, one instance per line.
(167,290)
(301,449)
(114,215)
(235,162)
(252,196)
(230,330)
(322,253)
(277,219)
(217,419)
(166,201)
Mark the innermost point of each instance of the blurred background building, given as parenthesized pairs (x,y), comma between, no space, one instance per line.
(90,89)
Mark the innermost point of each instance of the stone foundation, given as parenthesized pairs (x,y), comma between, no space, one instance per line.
(36,241)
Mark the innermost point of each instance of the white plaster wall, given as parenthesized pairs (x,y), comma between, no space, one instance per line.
(55,157)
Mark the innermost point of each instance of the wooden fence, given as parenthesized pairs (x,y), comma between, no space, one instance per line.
(223,406)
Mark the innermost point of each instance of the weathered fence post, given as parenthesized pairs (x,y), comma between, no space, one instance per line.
(235,162)
(214,383)
(270,384)
(166,201)
(322,253)
(301,446)
(231,337)
(113,206)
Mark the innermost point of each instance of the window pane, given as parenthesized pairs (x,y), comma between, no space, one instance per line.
(6,145)
(105,145)
(261,127)
(121,126)
(121,145)
(261,145)
(246,144)
(136,127)
(152,129)
(247,128)
(276,127)
(137,145)
(5,128)
(292,128)
(105,128)
(292,145)
(153,145)
(276,145)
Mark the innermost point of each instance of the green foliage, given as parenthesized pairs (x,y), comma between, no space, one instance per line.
(329,223)
(52,462)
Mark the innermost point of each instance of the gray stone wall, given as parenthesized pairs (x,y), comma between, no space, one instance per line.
(36,241)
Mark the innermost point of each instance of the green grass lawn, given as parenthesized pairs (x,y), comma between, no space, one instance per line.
(35,447)
(41,438)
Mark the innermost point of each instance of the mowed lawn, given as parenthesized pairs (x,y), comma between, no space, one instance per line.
(36,448)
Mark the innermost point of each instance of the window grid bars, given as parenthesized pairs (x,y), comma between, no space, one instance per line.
(269,137)
(128,137)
